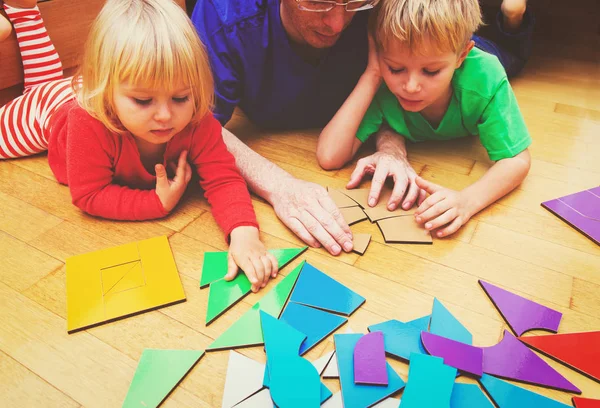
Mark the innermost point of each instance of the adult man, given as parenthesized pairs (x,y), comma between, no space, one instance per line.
(286,64)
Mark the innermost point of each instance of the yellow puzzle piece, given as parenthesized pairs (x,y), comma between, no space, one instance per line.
(118,282)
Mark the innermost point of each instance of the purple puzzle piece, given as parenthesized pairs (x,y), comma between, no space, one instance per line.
(369,360)
(522,314)
(580,210)
(459,355)
(513,360)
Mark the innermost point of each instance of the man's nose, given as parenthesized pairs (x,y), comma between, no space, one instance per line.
(335,19)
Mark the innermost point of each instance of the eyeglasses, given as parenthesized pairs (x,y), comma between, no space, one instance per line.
(323,6)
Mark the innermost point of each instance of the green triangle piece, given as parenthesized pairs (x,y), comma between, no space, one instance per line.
(157,374)
(215,265)
(224,294)
(247,330)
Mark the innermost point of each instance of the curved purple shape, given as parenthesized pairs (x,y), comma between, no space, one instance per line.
(369,360)
(522,314)
(513,360)
(459,355)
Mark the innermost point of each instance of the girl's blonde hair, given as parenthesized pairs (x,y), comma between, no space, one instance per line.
(149,43)
(445,25)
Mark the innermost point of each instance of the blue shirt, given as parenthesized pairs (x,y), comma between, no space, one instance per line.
(256,69)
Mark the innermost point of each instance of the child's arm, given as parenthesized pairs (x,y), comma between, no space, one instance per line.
(338,142)
(452,209)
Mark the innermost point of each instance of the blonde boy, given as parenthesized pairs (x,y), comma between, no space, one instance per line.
(437,86)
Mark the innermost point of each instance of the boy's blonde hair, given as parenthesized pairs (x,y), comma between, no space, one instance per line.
(148,43)
(446,25)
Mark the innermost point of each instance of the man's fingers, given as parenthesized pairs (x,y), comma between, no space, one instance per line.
(330,207)
(412,195)
(358,173)
(301,232)
(314,227)
(381,174)
(398,192)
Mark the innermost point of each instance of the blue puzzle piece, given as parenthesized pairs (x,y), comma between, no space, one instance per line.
(469,396)
(422,322)
(314,288)
(506,395)
(360,395)
(293,380)
(315,323)
(430,382)
(400,339)
(444,324)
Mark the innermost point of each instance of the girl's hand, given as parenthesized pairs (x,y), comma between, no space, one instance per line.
(443,207)
(247,252)
(170,191)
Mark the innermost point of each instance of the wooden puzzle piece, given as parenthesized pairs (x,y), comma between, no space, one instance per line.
(244,379)
(400,339)
(464,357)
(223,294)
(331,370)
(215,265)
(580,210)
(360,395)
(316,289)
(512,360)
(352,215)
(580,351)
(321,363)
(261,399)
(340,199)
(361,242)
(520,313)
(430,382)
(586,402)
(246,331)
(369,360)
(469,396)
(157,374)
(293,380)
(507,395)
(117,282)
(403,230)
(379,211)
(443,323)
(314,323)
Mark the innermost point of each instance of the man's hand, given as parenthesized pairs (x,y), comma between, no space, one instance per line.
(311,214)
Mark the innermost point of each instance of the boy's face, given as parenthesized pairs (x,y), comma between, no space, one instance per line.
(419,81)
(153,115)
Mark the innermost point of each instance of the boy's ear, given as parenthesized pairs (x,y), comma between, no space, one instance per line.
(468,47)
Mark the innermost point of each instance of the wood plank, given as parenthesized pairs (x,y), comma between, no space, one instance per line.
(23,221)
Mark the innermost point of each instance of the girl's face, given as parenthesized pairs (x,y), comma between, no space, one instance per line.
(153,115)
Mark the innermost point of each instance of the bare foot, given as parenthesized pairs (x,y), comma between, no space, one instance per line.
(5,28)
(513,11)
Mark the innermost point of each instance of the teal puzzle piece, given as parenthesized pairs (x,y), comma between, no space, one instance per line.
(469,396)
(506,395)
(444,324)
(430,382)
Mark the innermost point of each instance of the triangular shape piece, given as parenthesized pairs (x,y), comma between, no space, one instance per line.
(507,395)
(422,322)
(293,380)
(246,331)
(122,277)
(314,323)
(261,399)
(586,402)
(340,199)
(352,215)
(321,363)
(316,289)
(224,294)
(466,358)
(512,360)
(580,351)
(404,230)
(443,323)
(400,339)
(369,360)
(214,265)
(469,396)
(522,314)
(331,371)
(244,378)
(430,382)
(360,243)
(360,395)
(580,210)
(157,374)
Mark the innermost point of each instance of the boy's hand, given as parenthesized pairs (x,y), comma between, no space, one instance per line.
(247,252)
(373,64)
(170,191)
(444,207)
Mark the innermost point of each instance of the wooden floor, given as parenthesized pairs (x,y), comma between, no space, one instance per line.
(515,244)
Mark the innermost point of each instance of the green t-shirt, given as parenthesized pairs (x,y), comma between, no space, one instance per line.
(483,103)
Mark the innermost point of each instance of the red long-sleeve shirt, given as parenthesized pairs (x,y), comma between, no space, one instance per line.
(107,178)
